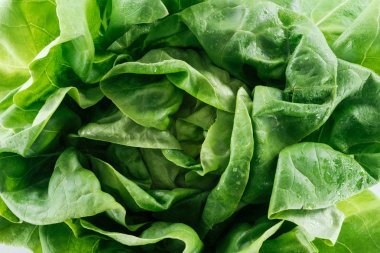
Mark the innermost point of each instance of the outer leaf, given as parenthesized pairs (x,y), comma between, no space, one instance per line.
(293,241)
(157,232)
(334,17)
(331,17)
(266,37)
(360,45)
(277,124)
(30,132)
(26,27)
(360,230)
(73,192)
(59,238)
(215,24)
(20,235)
(311,177)
(70,59)
(6,213)
(79,24)
(355,122)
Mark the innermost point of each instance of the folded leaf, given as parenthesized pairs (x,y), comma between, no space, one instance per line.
(187,70)
(293,241)
(155,233)
(26,27)
(360,229)
(59,238)
(224,198)
(119,129)
(72,192)
(246,238)
(310,179)
(20,235)
(134,197)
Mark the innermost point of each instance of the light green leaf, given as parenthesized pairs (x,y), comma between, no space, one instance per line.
(360,230)
(26,27)
(59,238)
(32,131)
(156,232)
(20,235)
(310,179)
(293,241)
(360,42)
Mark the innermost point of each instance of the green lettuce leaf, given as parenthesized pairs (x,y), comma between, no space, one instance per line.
(306,190)
(60,197)
(360,229)
(189,126)
(155,233)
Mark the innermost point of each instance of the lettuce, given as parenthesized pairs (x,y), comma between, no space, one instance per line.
(190,126)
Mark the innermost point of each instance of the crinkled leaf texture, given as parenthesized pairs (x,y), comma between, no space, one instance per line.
(190,126)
